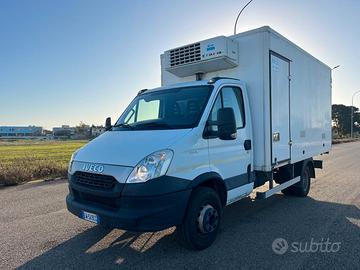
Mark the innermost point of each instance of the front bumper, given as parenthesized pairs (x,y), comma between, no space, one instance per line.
(133,207)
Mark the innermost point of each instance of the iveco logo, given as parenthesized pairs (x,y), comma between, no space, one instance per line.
(89,167)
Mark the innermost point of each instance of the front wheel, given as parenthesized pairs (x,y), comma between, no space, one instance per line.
(202,220)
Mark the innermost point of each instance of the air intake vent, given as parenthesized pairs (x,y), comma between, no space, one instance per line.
(201,57)
(185,55)
(95,181)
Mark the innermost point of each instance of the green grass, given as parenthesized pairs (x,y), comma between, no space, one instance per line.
(22,161)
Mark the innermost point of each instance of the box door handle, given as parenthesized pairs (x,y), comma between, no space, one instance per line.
(276,136)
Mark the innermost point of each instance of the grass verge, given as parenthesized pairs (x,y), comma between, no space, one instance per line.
(23,161)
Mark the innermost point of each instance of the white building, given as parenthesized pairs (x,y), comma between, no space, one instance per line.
(63,131)
(96,131)
(20,131)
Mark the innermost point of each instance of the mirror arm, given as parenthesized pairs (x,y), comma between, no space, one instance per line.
(211,123)
(209,134)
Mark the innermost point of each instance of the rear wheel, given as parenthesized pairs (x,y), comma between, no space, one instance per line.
(302,188)
(202,220)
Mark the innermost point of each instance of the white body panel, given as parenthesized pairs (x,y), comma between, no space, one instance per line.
(127,148)
(309,124)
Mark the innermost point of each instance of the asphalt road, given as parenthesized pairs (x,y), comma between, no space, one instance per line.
(37,232)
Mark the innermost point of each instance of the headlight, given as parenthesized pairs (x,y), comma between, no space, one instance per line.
(152,166)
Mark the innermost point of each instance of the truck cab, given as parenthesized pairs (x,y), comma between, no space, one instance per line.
(141,173)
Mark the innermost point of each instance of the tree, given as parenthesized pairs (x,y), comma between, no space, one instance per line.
(82,129)
(341,117)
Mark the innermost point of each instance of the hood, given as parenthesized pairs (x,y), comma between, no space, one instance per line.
(127,148)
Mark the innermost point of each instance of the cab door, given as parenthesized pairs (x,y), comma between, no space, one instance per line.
(231,158)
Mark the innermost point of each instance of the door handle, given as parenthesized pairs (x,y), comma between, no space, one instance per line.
(276,136)
(247,144)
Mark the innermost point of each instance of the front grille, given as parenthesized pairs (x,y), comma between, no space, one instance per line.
(95,181)
(185,55)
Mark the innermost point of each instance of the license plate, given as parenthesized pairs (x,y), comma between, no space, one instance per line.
(90,217)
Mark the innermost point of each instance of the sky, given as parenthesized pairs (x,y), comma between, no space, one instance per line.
(62,62)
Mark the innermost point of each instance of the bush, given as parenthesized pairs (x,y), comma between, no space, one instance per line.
(25,160)
(30,168)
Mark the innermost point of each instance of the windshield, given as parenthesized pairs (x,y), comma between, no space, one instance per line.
(176,108)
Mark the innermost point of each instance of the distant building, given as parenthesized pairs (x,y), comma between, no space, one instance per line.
(64,131)
(20,131)
(96,131)
(47,132)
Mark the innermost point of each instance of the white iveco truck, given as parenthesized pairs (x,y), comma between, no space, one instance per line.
(232,114)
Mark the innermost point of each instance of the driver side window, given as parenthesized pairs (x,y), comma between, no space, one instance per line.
(229,97)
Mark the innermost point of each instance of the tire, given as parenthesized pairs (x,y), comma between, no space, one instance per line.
(202,219)
(302,188)
(288,191)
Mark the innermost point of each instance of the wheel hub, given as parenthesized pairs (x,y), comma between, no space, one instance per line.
(208,219)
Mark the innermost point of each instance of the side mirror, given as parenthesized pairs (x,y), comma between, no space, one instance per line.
(226,124)
(108,125)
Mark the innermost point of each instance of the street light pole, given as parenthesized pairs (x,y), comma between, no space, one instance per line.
(237,18)
(352,113)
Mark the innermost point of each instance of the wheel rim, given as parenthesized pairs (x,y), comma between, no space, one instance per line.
(208,219)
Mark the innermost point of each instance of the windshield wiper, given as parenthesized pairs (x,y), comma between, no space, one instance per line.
(124,126)
(153,124)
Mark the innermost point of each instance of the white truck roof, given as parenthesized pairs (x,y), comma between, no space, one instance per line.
(267,28)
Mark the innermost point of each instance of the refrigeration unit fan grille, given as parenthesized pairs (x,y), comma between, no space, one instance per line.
(185,55)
